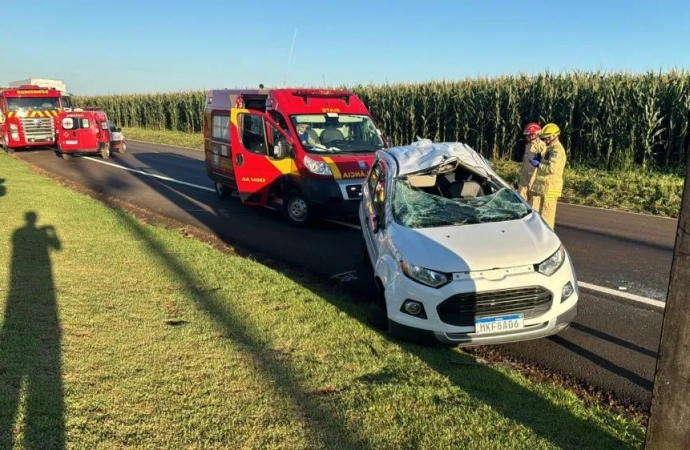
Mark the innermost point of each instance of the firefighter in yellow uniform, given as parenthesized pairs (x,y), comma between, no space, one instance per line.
(535,148)
(548,184)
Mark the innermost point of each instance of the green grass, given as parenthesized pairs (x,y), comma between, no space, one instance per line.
(116,333)
(640,191)
(179,138)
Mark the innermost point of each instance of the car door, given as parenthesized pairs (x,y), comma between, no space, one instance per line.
(374,196)
(255,142)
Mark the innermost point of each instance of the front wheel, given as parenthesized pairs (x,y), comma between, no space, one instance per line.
(377,315)
(296,209)
(221,191)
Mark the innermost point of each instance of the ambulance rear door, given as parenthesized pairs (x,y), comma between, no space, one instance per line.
(77,133)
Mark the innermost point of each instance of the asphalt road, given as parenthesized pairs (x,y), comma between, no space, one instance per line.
(612,345)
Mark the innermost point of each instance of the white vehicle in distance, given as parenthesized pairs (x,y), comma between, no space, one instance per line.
(458,256)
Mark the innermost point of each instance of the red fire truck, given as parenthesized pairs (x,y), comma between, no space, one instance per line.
(304,152)
(27,116)
(82,132)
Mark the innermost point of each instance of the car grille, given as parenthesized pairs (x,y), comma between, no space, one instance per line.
(462,309)
(38,128)
(354,191)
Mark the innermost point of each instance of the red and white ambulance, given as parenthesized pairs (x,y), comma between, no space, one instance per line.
(302,151)
(83,132)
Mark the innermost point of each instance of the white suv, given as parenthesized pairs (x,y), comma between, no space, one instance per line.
(457,255)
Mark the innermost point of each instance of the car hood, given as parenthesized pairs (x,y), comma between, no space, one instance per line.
(478,246)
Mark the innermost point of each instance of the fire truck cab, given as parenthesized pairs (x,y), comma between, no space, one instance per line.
(27,116)
(82,132)
(304,152)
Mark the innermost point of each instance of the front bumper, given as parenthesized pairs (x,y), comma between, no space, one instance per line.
(543,319)
(542,330)
(332,198)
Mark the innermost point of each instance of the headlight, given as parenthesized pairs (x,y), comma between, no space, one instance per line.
(317,167)
(553,263)
(425,276)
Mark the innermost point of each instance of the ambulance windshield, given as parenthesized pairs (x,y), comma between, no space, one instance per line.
(337,133)
(32,103)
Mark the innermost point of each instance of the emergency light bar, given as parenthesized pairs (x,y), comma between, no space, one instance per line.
(322,93)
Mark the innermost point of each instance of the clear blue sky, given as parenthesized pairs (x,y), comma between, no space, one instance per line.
(130,46)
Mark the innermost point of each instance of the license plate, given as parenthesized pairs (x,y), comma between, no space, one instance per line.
(71,142)
(497,324)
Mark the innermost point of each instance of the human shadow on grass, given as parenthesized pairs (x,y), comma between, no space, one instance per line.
(554,423)
(31,393)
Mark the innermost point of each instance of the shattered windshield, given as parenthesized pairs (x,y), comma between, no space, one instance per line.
(337,133)
(417,209)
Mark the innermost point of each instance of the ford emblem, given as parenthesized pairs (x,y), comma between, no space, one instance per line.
(37,122)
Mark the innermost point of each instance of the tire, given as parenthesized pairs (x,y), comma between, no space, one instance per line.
(377,315)
(296,209)
(365,253)
(105,152)
(221,191)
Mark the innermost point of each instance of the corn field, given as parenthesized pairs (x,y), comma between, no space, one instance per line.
(611,121)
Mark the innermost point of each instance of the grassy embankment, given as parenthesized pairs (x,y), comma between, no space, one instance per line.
(119,333)
(648,192)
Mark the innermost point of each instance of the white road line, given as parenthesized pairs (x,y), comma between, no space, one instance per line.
(637,298)
(161,177)
(345,224)
(648,216)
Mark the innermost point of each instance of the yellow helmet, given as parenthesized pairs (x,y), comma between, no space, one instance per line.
(550,129)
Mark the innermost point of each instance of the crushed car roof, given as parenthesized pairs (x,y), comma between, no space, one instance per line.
(424,155)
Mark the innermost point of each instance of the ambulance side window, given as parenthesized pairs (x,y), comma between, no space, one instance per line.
(253,134)
(221,127)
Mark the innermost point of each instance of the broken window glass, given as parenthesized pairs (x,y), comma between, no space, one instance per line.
(414,208)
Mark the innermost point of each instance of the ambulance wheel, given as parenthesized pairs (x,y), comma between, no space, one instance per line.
(221,191)
(105,152)
(296,208)
(7,149)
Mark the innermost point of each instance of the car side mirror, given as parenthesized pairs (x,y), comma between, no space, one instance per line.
(374,223)
(386,140)
(282,150)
